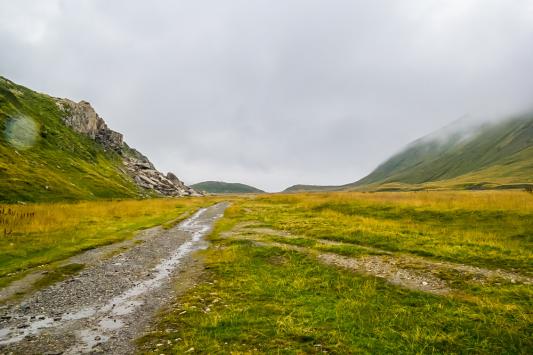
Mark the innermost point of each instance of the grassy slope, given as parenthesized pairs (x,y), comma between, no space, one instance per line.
(60,164)
(272,300)
(498,154)
(224,187)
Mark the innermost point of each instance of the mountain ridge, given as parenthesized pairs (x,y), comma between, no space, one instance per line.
(475,155)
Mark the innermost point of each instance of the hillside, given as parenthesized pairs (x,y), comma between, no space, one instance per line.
(498,154)
(461,155)
(55,149)
(220,187)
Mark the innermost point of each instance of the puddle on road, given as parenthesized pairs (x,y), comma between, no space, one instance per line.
(124,304)
(16,334)
(81,314)
(110,323)
(125,308)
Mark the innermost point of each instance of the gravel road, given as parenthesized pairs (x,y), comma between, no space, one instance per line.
(112,301)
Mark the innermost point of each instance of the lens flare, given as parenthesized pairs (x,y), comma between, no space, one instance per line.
(21,132)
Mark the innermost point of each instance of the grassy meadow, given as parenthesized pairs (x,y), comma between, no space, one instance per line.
(416,272)
(37,234)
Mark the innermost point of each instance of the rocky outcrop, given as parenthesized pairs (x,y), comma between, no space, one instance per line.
(82,118)
(174,179)
(148,177)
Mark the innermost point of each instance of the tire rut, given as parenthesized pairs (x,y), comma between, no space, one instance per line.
(408,271)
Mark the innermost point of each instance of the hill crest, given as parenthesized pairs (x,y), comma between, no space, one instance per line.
(225,187)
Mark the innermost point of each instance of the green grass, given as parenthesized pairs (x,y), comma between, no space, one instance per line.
(276,301)
(267,299)
(348,250)
(44,160)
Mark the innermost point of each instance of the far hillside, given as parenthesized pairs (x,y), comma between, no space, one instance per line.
(463,155)
(304,188)
(486,155)
(220,187)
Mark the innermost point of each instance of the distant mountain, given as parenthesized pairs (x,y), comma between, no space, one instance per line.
(462,155)
(305,188)
(56,149)
(220,187)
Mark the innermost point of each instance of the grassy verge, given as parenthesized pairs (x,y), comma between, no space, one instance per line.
(39,234)
(58,274)
(255,297)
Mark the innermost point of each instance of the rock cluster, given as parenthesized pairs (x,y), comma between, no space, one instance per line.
(148,177)
(82,118)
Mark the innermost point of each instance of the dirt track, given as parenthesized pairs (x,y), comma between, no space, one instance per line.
(112,301)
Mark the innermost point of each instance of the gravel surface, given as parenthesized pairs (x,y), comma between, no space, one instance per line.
(111,302)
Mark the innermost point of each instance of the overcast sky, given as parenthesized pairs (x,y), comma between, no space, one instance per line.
(274,92)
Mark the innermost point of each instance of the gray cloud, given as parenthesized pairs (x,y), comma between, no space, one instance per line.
(274,93)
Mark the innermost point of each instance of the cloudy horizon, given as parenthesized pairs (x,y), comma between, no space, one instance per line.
(273,94)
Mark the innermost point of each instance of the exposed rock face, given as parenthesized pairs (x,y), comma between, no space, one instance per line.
(173,178)
(82,118)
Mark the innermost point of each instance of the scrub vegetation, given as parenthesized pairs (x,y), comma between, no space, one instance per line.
(418,272)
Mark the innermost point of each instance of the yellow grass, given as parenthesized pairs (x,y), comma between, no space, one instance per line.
(519,201)
(44,218)
(36,234)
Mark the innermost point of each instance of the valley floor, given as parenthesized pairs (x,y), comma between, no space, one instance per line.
(361,273)
(417,272)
